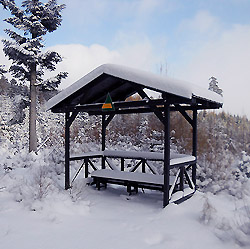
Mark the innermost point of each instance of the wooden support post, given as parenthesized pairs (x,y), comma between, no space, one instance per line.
(143,169)
(86,167)
(67,147)
(103,138)
(181,178)
(122,164)
(166,154)
(194,146)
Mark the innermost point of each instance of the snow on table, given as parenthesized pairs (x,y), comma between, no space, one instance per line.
(175,158)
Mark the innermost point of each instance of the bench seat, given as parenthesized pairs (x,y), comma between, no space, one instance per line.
(134,179)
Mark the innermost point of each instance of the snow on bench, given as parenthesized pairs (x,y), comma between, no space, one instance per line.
(128,176)
(138,180)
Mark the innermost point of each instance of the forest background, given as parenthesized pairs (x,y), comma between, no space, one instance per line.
(223,138)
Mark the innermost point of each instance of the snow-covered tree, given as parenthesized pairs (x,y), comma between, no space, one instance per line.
(2,70)
(213,86)
(33,20)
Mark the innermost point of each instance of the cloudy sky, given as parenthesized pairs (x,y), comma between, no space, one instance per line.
(191,40)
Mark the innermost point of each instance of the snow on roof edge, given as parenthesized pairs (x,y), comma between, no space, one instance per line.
(73,88)
(147,79)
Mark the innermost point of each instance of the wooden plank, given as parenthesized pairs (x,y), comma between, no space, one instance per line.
(152,169)
(77,173)
(190,182)
(174,183)
(136,177)
(110,163)
(133,169)
(92,165)
(184,198)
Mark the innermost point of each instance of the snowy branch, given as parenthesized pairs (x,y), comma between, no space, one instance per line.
(54,82)
(19,72)
(2,70)
(14,10)
(49,60)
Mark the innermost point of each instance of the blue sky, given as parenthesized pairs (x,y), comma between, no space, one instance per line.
(190,39)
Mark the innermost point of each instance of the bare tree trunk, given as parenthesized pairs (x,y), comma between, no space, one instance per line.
(32,121)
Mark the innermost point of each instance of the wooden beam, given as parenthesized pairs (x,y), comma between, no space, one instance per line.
(78,171)
(122,164)
(182,178)
(136,166)
(143,167)
(86,162)
(194,153)
(98,106)
(166,154)
(72,117)
(103,138)
(67,148)
(153,107)
(184,114)
(190,182)
(148,109)
(127,107)
(109,119)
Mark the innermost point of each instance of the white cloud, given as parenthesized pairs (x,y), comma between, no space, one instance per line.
(202,22)
(79,59)
(203,26)
(147,7)
(227,57)
(126,12)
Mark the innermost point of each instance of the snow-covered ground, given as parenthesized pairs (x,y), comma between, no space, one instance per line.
(37,213)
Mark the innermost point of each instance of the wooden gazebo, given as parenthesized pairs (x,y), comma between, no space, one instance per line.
(89,94)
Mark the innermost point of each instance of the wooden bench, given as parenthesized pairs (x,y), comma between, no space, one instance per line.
(130,177)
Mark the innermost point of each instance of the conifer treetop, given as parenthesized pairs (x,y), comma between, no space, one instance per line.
(2,70)
(213,86)
(32,21)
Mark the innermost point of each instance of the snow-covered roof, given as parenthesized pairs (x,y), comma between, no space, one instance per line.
(129,75)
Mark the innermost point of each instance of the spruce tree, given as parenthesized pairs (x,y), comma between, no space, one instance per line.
(213,86)
(2,70)
(32,21)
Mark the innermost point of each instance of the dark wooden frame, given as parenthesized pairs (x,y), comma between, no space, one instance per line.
(162,110)
(160,107)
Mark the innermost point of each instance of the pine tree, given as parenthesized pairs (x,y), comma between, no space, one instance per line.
(213,86)
(2,70)
(33,21)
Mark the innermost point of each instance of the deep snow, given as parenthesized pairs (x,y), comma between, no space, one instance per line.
(86,218)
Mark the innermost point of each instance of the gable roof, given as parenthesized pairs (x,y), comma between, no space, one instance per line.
(121,82)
